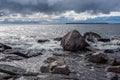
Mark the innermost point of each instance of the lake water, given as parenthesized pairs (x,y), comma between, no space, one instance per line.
(26,36)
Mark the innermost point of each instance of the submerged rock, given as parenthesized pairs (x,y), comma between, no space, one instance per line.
(4,47)
(73,41)
(91,36)
(42,41)
(97,58)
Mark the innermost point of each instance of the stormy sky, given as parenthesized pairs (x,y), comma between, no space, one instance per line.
(58,9)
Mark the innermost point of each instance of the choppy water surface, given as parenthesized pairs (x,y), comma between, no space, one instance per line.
(26,36)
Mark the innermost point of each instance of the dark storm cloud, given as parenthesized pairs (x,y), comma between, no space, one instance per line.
(57,6)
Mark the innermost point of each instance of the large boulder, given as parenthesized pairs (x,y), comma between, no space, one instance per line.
(73,41)
(91,36)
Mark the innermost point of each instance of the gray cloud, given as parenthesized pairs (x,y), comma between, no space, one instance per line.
(58,6)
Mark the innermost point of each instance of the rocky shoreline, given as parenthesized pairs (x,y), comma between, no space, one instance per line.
(78,60)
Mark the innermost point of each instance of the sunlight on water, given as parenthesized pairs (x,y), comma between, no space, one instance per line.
(26,36)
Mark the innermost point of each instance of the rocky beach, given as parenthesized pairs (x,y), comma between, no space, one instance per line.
(78,58)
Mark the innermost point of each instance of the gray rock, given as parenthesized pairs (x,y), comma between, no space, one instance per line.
(73,41)
(57,67)
(11,70)
(104,40)
(44,68)
(115,69)
(42,41)
(63,69)
(97,58)
(58,39)
(50,60)
(91,36)
(114,62)
(3,47)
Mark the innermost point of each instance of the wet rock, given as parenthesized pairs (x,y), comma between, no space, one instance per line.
(4,76)
(58,68)
(16,52)
(44,68)
(109,51)
(50,60)
(112,76)
(115,69)
(104,40)
(28,78)
(33,53)
(113,62)
(73,41)
(42,41)
(11,70)
(11,57)
(91,36)
(4,47)
(22,53)
(63,69)
(58,39)
(97,58)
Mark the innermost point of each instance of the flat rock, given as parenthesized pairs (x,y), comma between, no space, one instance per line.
(59,68)
(97,58)
(115,69)
(11,70)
